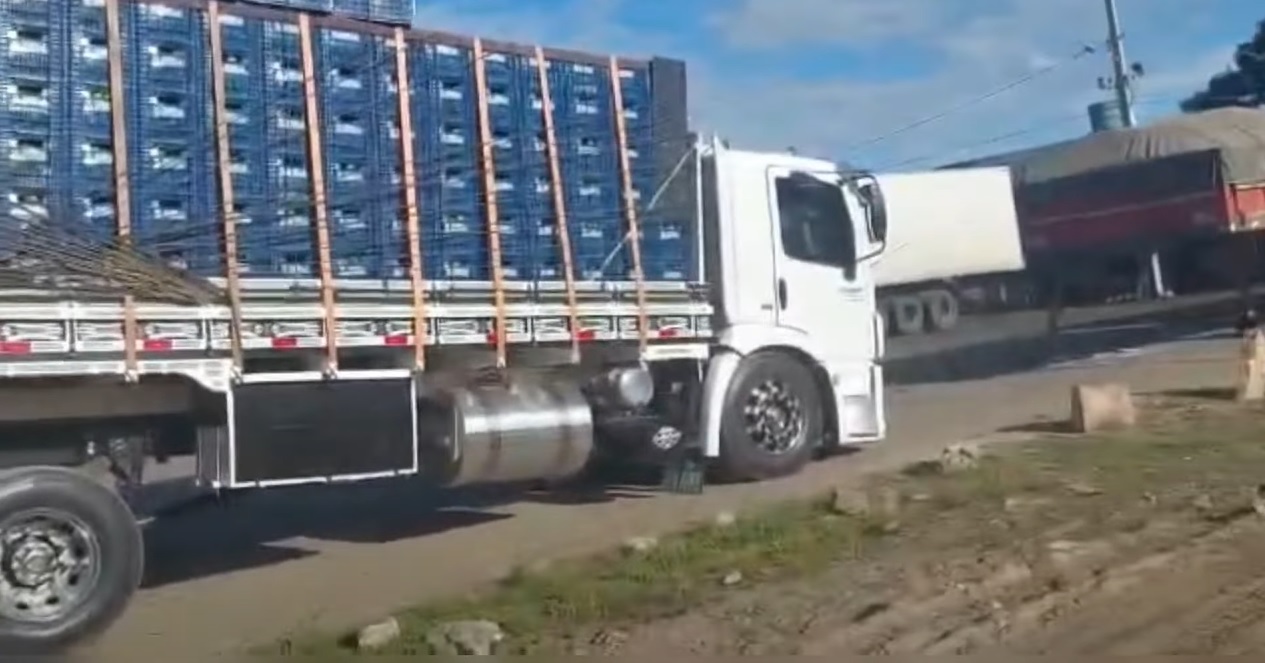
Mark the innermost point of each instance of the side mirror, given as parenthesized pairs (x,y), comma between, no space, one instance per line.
(875,211)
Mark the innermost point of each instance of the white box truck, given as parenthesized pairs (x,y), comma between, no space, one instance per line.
(955,238)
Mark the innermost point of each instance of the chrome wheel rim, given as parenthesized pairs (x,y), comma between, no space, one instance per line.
(50,562)
(774,418)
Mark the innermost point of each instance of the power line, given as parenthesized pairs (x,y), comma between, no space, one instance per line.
(995,92)
(1047,123)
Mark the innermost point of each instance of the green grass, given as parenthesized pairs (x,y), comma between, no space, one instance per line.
(1183,450)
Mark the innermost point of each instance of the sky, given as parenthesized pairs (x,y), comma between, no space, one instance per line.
(844,79)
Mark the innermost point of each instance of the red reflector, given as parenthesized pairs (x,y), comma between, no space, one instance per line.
(285,342)
(14,348)
(586,335)
(157,345)
(396,341)
(669,333)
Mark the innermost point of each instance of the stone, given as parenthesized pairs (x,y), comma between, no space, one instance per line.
(732,578)
(376,636)
(473,637)
(725,519)
(877,502)
(1251,379)
(640,544)
(1100,407)
(1083,489)
(959,457)
(1203,503)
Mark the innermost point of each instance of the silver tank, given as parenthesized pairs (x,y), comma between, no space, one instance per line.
(505,433)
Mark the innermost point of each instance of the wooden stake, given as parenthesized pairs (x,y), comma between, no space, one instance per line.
(411,212)
(316,163)
(489,193)
(227,199)
(559,201)
(122,181)
(630,203)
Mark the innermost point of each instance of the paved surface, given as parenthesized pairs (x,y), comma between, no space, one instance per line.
(289,561)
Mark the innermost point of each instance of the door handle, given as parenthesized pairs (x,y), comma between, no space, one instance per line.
(781,293)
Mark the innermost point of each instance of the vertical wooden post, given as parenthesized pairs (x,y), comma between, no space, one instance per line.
(489,193)
(411,214)
(320,212)
(559,200)
(227,199)
(630,202)
(122,179)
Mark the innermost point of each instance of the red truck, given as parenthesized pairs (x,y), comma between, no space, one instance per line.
(1190,187)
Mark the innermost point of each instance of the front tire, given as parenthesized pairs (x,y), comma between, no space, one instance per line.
(71,558)
(772,423)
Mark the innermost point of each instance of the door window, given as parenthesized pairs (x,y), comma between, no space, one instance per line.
(814,221)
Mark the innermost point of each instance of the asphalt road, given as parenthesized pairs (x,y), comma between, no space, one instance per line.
(293,560)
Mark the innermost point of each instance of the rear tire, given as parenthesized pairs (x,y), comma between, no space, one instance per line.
(71,558)
(942,309)
(772,423)
(907,315)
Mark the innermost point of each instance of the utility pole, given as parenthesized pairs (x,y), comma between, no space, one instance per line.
(1122,82)
(1122,79)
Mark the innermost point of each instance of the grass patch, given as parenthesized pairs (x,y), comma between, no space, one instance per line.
(1183,450)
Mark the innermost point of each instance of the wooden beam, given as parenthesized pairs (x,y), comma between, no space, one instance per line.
(320,211)
(630,203)
(490,201)
(412,230)
(224,158)
(559,200)
(122,179)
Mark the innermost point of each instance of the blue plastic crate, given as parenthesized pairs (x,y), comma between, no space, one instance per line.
(30,49)
(391,12)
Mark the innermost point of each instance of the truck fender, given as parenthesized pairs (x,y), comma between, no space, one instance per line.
(736,343)
(720,372)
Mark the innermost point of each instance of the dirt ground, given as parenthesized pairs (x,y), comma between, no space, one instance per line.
(1141,543)
(300,561)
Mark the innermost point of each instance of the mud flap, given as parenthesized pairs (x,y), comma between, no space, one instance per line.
(685,473)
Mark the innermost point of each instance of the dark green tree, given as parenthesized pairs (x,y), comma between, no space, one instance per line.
(1241,85)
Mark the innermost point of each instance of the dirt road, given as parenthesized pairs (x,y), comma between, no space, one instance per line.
(296,561)
(1146,542)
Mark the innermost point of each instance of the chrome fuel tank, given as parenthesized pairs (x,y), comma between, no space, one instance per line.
(522,431)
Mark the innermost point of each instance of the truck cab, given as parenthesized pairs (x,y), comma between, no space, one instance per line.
(789,251)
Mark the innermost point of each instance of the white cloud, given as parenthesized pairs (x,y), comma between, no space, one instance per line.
(776,23)
(979,45)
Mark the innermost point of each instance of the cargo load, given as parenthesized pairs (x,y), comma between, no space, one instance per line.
(1190,176)
(311,107)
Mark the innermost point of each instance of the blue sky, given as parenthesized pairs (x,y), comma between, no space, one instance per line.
(828,77)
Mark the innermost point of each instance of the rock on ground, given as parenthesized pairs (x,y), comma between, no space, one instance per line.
(379,635)
(478,637)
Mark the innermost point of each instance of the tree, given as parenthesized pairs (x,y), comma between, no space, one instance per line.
(1240,85)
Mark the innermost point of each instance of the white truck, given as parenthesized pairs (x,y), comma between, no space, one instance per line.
(955,237)
(775,356)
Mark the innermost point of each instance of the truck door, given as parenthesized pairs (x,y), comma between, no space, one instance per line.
(826,293)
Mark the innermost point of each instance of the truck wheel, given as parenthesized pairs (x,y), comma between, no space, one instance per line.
(772,422)
(70,559)
(908,317)
(942,309)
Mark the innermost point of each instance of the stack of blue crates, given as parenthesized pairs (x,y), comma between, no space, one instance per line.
(32,95)
(56,147)
(388,12)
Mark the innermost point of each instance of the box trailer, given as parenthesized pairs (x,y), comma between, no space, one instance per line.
(955,237)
